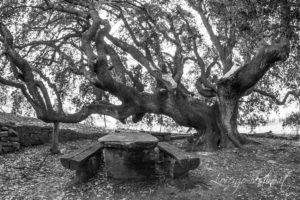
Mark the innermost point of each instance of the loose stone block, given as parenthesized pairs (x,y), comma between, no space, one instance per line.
(4,138)
(6,149)
(3,133)
(44,137)
(9,140)
(14,139)
(12,132)
(4,128)
(16,145)
(6,144)
(7,124)
(25,141)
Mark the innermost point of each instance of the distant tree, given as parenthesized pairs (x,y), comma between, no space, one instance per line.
(293,120)
(3,97)
(253,121)
(137,54)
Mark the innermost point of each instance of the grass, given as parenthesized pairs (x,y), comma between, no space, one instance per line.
(267,171)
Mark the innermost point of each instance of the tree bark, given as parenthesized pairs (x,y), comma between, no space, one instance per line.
(54,141)
(230,136)
(220,129)
(217,124)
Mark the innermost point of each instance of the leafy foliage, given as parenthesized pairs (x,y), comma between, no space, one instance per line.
(292,120)
(74,58)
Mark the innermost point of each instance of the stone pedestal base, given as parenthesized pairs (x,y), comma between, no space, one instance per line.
(129,163)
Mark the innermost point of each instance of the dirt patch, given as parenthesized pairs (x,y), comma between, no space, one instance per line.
(267,171)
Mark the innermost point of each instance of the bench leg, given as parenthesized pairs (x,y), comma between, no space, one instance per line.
(88,170)
(171,168)
(179,171)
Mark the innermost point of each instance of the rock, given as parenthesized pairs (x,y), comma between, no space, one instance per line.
(4,138)
(44,137)
(272,161)
(3,133)
(16,145)
(7,124)
(25,141)
(7,149)
(12,132)
(9,140)
(35,139)
(4,128)
(6,144)
(14,139)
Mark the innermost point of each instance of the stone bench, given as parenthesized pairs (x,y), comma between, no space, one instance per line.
(86,161)
(130,156)
(179,162)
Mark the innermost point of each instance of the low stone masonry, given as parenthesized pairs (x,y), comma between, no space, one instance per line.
(16,131)
(31,135)
(9,138)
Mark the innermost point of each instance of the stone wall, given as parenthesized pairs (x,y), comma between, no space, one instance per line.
(9,138)
(16,131)
(36,135)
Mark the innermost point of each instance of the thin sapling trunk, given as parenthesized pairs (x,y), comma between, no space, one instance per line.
(54,141)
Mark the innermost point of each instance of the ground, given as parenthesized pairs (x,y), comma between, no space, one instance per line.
(267,171)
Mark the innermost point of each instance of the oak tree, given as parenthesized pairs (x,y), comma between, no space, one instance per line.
(190,60)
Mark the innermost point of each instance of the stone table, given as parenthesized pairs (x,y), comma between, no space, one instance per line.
(130,155)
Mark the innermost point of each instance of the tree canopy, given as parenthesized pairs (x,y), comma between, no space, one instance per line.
(197,62)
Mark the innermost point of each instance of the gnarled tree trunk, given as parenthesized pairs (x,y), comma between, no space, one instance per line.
(230,137)
(220,126)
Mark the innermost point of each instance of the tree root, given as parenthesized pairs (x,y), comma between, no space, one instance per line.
(246,140)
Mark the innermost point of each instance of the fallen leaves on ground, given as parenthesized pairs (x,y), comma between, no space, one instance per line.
(267,171)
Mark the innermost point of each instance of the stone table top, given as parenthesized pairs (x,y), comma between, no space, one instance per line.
(129,140)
